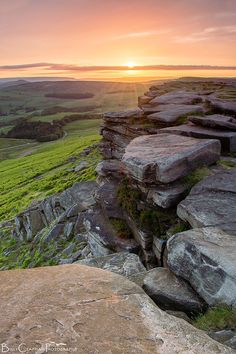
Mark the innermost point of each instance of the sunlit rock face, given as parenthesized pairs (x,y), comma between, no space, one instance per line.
(88,310)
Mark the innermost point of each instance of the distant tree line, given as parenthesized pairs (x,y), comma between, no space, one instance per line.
(71,96)
(40,131)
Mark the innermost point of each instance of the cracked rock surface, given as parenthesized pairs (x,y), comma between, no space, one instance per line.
(90,311)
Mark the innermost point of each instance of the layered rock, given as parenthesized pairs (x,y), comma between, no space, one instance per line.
(91,310)
(211,202)
(205,257)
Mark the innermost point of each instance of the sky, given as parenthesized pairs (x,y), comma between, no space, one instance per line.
(117,38)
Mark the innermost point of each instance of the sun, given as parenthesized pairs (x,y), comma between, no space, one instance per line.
(130,64)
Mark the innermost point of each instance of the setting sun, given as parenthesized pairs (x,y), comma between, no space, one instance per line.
(130,64)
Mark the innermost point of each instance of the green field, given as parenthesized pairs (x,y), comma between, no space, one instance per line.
(36,170)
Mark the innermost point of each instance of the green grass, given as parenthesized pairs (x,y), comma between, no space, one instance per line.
(227,164)
(218,318)
(46,170)
(196,176)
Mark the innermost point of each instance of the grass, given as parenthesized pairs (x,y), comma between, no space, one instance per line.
(217,318)
(227,164)
(47,169)
(195,177)
(121,228)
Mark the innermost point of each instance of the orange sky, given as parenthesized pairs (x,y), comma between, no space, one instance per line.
(35,35)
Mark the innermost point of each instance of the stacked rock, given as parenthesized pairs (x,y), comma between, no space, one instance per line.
(147,146)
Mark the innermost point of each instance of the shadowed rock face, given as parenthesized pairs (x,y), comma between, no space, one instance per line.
(165,158)
(211,202)
(90,311)
(206,258)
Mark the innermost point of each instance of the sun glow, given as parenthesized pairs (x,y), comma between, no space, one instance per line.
(130,64)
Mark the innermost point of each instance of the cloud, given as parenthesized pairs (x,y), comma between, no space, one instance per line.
(141,34)
(208,34)
(74,68)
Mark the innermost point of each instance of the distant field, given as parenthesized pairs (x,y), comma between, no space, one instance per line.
(37,170)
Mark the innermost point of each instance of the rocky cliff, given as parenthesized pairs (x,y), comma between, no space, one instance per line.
(163,209)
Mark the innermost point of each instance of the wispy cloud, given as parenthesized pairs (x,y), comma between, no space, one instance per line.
(142,34)
(73,68)
(207,34)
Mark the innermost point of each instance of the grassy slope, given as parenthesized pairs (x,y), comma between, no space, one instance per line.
(45,170)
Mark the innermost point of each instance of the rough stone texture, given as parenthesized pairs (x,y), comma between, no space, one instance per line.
(120,117)
(122,263)
(158,247)
(165,158)
(167,196)
(227,138)
(176,97)
(107,168)
(170,113)
(211,202)
(224,106)
(206,259)
(170,292)
(90,311)
(102,236)
(215,121)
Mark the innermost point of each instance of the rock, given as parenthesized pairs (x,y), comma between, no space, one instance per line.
(106,197)
(228,107)
(177,97)
(66,261)
(171,113)
(227,138)
(179,314)
(165,158)
(143,100)
(108,168)
(167,196)
(121,117)
(88,310)
(170,292)
(29,223)
(122,263)
(102,237)
(223,335)
(231,342)
(138,278)
(205,257)
(56,232)
(80,193)
(216,121)
(158,249)
(211,202)
(82,165)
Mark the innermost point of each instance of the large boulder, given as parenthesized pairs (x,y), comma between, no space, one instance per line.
(165,158)
(123,263)
(80,309)
(205,257)
(211,202)
(170,292)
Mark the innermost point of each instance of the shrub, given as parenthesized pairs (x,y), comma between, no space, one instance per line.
(217,318)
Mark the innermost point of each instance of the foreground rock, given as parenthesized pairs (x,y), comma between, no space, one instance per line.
(165,158)
(171,113)
(171,293)
(212,202)
(206,259)
(123,263)
(89,310)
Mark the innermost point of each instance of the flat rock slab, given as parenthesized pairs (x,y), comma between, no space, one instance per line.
(167,196)
(123,116)
(205,257)
(165,157)
(170,292)
(88,310)
(216,121)
(177,97)
(122,263)
(171,113)
(228,107)
(211,202)
(227,138)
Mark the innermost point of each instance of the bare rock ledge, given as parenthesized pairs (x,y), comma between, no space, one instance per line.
(90,311)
